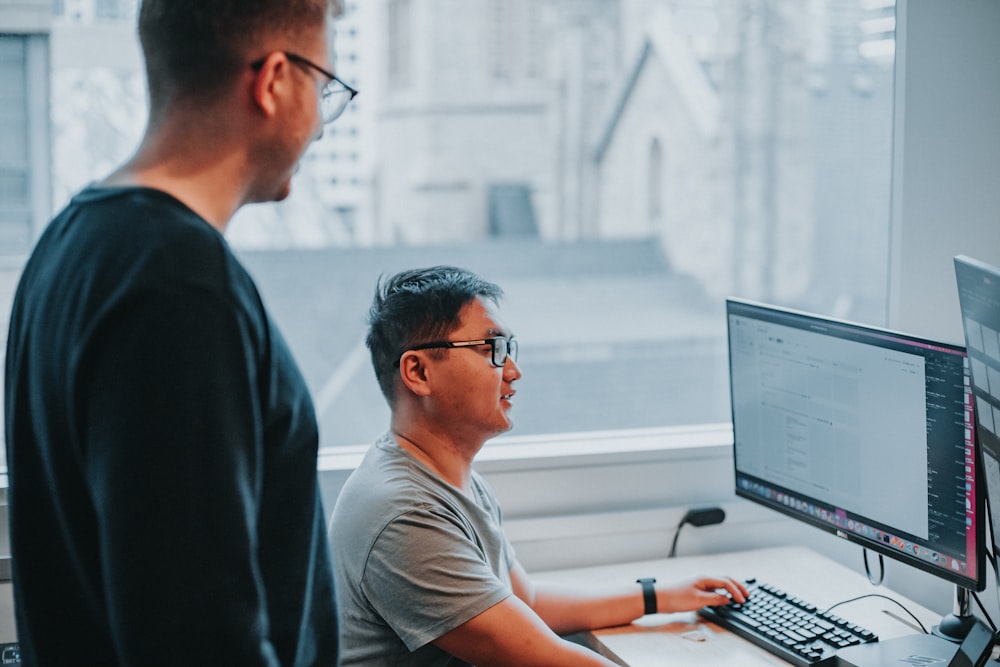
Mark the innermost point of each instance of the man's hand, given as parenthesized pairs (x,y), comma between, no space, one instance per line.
(706,591)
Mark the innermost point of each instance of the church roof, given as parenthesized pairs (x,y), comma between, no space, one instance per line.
(687,76)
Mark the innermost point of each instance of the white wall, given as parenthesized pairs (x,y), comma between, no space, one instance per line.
(946,172)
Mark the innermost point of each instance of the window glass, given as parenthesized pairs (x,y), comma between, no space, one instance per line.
(15,177)
(618,167)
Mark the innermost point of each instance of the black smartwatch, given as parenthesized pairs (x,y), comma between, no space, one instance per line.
(648,594)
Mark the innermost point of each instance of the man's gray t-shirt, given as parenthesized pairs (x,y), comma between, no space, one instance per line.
(414,558)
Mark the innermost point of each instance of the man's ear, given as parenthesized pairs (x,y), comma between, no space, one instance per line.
(271,75)
(414,373)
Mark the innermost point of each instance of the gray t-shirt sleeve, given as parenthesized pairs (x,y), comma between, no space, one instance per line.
(427,574)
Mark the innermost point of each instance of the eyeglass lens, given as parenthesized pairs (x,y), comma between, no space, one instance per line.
(333,101)
(503,348)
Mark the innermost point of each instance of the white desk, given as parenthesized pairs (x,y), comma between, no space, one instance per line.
(686,639)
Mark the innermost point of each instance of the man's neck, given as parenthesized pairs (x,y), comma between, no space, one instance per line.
(449,461)
(194,163)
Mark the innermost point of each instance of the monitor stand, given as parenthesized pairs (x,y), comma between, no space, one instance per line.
(955,626)
(917,649)
(940,647)
(937,647)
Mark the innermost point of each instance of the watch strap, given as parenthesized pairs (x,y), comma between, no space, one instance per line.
(648,594)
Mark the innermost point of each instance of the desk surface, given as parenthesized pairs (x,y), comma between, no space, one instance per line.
(686,639)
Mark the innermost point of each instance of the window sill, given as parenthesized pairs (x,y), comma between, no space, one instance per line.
(561,450)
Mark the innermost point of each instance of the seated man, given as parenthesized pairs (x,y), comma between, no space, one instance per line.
(424,573)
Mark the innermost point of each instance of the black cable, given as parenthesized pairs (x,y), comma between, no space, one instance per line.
(673,545)
(992,557)
(881,567)
(878,595)
(705,516)
(989,620)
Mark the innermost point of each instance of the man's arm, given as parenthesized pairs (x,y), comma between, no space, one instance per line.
(568,610)
(522,629)
(173,456)
(510,633)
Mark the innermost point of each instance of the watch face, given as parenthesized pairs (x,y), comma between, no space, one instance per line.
(975,648)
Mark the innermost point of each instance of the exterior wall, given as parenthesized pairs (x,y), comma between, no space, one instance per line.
(736,204)
(471,114)
(25,16)
(694,226)
(447,160)
(760,193)
(767,156)
(341,163)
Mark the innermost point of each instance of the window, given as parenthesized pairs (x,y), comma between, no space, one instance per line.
(503,35)
(399,31)
(655,191)
(668,154)
(15,168)
(114,9)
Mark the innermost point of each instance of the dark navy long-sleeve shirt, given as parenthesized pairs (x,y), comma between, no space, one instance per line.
(161,446)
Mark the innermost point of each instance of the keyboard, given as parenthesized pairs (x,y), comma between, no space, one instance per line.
(787,626)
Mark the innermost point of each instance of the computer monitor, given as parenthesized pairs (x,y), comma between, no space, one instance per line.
(979,299)
(860,431)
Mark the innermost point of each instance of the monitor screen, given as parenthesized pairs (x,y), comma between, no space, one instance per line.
(864,432)
(979,297)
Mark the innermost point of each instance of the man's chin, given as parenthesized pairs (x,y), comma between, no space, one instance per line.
(281,193)
(501,428)
(277,194)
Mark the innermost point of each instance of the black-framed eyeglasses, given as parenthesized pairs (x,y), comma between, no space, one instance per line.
(334,96)
(501,348)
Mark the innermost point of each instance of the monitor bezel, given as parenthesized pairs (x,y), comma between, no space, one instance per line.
(978,583)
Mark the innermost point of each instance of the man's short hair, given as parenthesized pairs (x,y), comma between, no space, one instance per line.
(195,47)
(418,306)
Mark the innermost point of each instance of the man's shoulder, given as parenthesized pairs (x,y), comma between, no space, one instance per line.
(142,233)
(132,214)
(387,485)
(383,480)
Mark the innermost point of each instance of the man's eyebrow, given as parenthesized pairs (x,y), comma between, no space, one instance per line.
(496,332)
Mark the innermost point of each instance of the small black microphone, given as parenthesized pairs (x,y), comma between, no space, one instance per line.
(706,516)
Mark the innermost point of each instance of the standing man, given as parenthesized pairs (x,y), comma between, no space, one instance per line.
(161,442)
(425,575)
